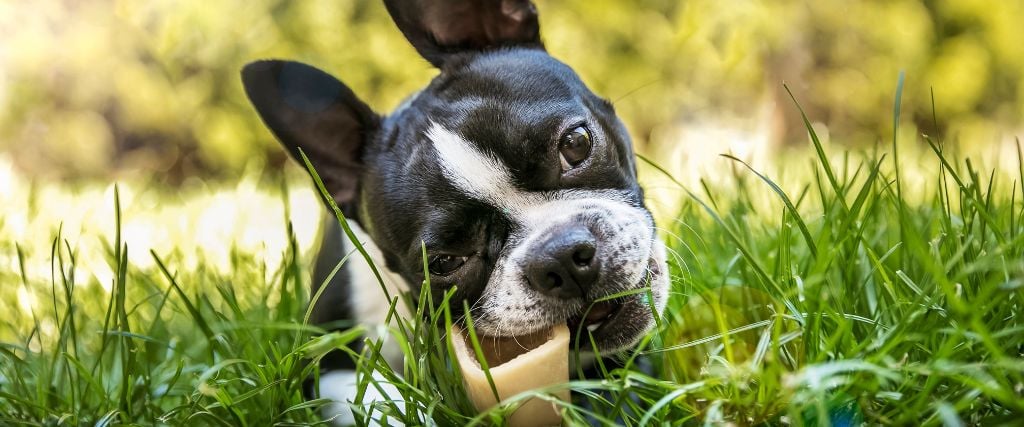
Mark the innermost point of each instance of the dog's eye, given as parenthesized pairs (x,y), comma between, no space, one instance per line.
(443,265)
(574,147)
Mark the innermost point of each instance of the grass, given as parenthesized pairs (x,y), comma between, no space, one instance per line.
(867,289)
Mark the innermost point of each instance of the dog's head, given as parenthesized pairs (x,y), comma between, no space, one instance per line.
(519,180)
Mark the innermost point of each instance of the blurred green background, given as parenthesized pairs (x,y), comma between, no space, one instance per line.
(114,88)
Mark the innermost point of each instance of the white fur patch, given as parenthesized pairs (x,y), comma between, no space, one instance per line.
(340,386)
(479,175)
(368,300)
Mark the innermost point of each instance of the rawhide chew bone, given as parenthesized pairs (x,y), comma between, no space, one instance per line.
(517,365)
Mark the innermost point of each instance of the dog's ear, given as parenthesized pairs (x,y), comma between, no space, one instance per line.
(439,29)
(308,109)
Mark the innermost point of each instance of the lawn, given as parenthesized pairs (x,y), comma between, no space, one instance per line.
(881,286)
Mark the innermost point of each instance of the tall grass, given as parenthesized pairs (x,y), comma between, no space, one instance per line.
(860,297)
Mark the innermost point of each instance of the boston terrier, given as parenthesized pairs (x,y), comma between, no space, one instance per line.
(518,179)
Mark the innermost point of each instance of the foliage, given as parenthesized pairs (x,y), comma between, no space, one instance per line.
(118,85)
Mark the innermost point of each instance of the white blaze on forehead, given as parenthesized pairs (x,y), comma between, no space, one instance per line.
(485,178)
(478,174)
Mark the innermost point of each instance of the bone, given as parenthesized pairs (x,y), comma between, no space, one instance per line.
(516,365)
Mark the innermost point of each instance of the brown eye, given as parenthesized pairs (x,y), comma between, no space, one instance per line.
(443,265)
(574,147)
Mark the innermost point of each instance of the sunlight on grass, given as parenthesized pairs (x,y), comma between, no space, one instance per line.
(203,224)
(200,226)
(836,292)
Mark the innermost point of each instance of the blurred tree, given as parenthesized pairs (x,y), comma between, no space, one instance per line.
(92,87)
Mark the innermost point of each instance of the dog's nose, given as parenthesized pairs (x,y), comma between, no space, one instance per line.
(565,265)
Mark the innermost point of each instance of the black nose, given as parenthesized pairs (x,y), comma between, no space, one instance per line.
(565,265)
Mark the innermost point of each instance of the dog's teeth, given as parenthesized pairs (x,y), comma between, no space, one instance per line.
(593,327)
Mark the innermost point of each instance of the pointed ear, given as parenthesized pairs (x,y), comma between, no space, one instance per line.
(308,109)
(440,29)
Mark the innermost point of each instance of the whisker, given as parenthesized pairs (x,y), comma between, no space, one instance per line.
(692,231)
(638,88)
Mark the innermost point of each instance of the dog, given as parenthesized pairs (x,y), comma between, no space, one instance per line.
(520,182)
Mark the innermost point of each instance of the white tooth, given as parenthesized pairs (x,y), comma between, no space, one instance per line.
(593,327)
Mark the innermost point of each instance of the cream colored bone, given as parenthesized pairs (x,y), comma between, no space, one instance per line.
(517,365)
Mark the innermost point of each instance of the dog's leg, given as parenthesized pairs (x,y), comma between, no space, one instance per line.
(353,297)
(332,310)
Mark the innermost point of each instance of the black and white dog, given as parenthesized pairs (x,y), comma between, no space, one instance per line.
(519,180)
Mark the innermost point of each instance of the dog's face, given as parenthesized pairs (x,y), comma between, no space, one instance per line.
(520,181)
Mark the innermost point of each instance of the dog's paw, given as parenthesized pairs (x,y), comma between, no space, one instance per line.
(342,386)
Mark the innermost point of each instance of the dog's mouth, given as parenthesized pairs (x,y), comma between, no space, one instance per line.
(596,317)
(615,322)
